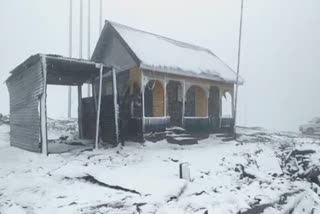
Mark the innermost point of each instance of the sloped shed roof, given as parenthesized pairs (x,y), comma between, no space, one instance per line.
(167,55)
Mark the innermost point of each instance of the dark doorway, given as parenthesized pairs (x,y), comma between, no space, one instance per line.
(214,102)
(174,102)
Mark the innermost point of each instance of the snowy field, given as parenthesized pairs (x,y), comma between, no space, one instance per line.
(263,172)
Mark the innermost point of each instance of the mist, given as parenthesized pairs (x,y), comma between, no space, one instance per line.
(279,57)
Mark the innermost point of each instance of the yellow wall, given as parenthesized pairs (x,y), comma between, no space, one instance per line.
(158,100)
(135,77)
(201,102)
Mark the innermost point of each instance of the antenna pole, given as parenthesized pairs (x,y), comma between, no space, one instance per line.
(238,70)
(89,37)
(81,29)
(70,55)
(100,18)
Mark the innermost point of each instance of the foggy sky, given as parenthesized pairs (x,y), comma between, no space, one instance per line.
(280,55)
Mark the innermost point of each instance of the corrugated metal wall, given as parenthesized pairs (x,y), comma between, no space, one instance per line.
(25,88)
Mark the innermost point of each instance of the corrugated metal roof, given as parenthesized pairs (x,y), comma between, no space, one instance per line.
(62,70)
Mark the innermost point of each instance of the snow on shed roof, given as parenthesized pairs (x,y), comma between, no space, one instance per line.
(167,55)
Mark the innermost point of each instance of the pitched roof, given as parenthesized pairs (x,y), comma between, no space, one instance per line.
(167,55)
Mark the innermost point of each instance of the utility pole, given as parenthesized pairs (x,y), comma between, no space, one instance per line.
(70,55)
(238,70)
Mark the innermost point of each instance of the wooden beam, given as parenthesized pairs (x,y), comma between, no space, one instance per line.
(115,102)
(80,120)
(43,109)
(99,108)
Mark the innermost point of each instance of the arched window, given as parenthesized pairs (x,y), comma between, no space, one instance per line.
(196,102)
(154,99)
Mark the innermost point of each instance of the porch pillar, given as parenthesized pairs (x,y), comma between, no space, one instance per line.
(94,95)
(80,120)
(183,100)
(98,109)
(43,108)
(233,107)
(221,93)
(207,92)
(165,97)
(142,98)
(115,102)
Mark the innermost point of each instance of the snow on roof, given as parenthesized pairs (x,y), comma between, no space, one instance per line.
(167,55)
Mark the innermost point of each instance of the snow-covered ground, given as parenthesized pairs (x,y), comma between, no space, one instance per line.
(255,174)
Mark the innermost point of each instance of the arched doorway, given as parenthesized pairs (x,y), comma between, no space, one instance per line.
(196,102)
(214,102)
(154,99)
(227,105)
(174,102)
(214,107)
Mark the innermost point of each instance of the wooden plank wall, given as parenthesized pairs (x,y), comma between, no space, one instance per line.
(158,100)
(25,89)
(201,102)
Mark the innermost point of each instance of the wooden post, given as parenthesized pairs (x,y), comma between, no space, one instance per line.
(165,97)
(99,108)
(233,108)
(94,96)
(165,101)
(142,96)
(220,108)
(232,104)
(115,102)
(43,108)
(80,120)
(208,96)
(183,100)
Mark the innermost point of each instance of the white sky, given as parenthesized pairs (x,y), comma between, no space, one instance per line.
(280,56)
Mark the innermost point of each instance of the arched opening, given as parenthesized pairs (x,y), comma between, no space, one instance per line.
(130,112)
(214,102)
(227,105)
(154,99)
(174,102)
(136,107)
(214,107)
(196,102)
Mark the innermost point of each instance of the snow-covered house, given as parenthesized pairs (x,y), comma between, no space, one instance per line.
(182,84)
(144,82)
